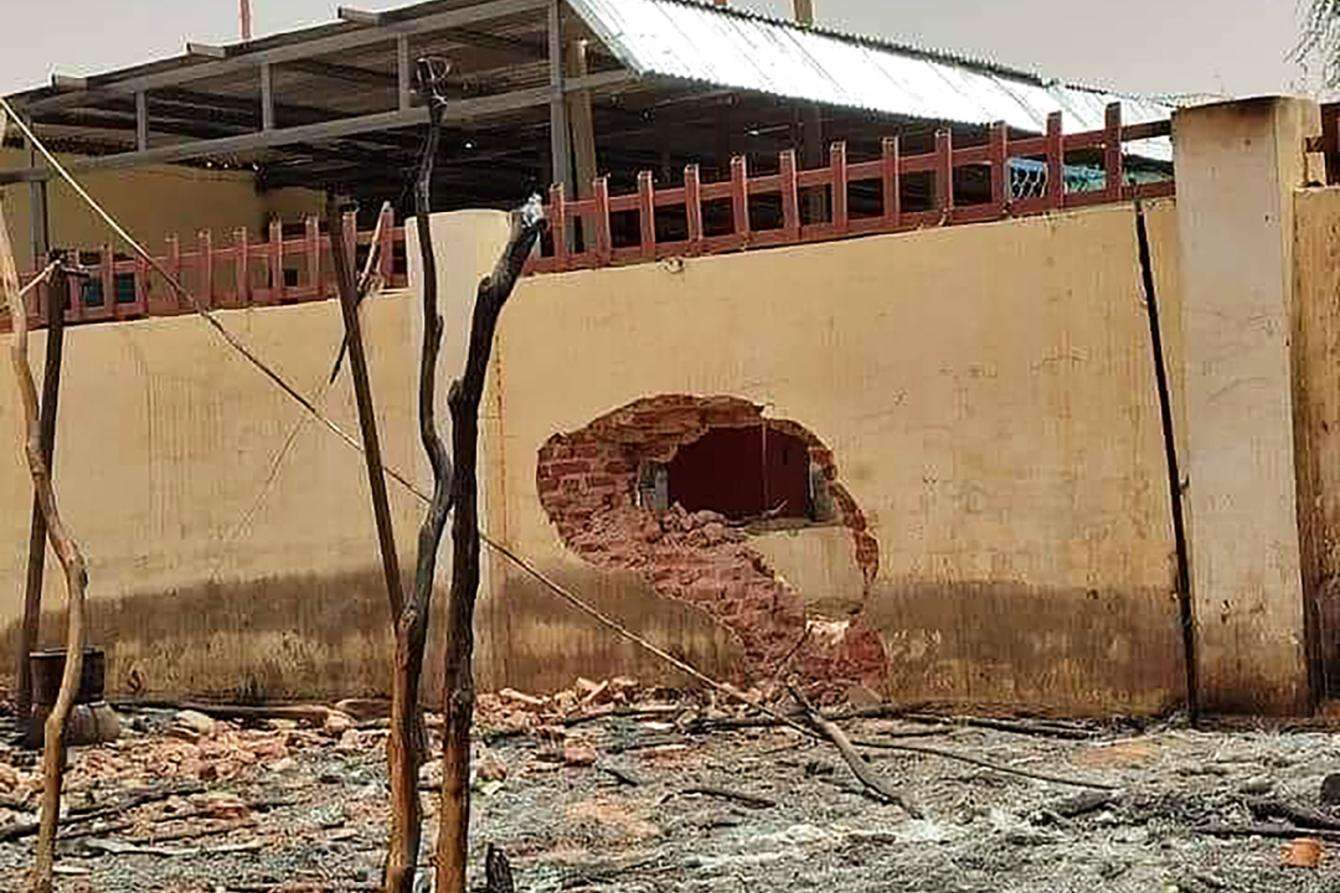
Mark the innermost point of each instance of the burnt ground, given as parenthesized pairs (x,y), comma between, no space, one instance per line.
(282,805)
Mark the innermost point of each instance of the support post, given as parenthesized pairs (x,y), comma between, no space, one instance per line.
(141,121)
(57,291)
(812,157)
(267,97)
(581,121)
(403,74)
(560,148)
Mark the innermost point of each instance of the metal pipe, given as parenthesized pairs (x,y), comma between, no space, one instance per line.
(1182,582)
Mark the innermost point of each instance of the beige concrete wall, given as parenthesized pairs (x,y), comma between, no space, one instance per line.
(988,395)
(223,563)
(152,203)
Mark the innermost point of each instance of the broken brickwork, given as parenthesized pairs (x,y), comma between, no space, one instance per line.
(587,481)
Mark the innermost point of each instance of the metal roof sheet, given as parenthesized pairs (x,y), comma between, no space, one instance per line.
(690,41)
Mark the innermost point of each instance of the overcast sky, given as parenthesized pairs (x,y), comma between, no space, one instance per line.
(1162,46)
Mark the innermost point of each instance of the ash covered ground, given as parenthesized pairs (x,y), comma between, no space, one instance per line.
(681,795)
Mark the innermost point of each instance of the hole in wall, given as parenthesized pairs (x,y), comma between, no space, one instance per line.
(675,487)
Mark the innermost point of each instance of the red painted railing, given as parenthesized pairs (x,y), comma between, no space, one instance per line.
(294,270)
(243,274)
(889,170)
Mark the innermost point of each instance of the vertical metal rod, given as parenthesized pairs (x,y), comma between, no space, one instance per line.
(57,291)
(367,420)
(244,19)
(403,72)
(141,120)
(267,97)
(1183,578)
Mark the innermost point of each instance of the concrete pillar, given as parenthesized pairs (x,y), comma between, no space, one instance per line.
(466,245)
(1237,165)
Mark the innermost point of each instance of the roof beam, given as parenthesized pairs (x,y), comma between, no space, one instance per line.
(352,74)
(463,110)
(360,16)
(349,39)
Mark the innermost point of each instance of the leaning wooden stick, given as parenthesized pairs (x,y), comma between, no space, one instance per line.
(403,751)
(71,559)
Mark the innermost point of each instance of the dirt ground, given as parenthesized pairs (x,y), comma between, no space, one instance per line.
(668,799)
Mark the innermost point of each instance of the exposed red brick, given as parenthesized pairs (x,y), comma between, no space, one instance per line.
(587,482)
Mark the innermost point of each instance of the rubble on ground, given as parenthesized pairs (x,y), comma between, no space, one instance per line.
(608,785)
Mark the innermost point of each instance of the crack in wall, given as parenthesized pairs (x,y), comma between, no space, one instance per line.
(587,482)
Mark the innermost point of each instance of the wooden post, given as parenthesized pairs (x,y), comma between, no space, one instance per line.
(367,420)
(1055,162)
(57,291)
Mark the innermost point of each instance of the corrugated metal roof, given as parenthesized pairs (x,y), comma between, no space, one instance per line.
(691,41)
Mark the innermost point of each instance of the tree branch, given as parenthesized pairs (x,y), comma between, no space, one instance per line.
(403,748)
(459,687)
